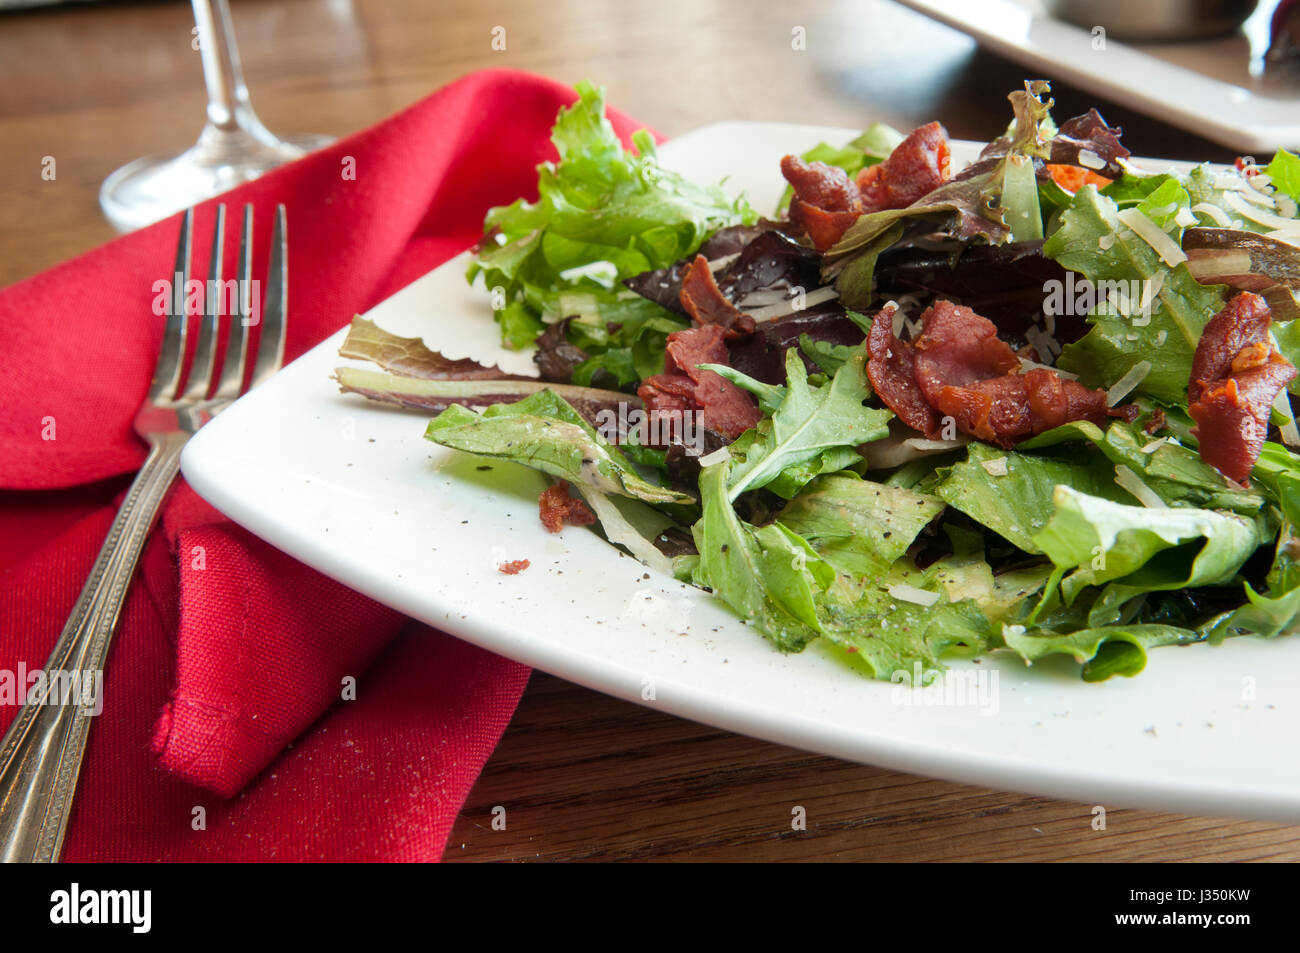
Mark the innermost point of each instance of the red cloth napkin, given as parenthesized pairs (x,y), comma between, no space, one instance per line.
(224,735)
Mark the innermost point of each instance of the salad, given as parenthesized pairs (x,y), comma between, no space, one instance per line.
(1038,405)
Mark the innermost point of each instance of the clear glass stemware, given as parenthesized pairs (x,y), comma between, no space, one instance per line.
(233,148)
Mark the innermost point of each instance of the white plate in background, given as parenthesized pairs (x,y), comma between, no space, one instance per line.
(1204,86)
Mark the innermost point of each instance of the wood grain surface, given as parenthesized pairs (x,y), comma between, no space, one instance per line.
(581,776)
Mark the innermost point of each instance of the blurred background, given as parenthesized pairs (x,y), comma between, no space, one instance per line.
(96,85)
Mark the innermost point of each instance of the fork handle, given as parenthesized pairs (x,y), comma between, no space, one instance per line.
(40,756)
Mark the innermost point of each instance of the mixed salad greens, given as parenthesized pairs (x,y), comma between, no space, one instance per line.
(1035,405)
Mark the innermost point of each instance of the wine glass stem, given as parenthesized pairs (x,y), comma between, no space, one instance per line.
(229,109)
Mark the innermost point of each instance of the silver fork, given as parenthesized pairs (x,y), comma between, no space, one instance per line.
(40,756)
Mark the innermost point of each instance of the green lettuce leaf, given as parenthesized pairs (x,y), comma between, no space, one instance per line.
(1018,503)
(1173,472)
(602,214)
(768,575)
(867,618)
(811,430)
(1179,309)
(1133,550)
(543,432)
(1104,651)
(1284,171)
(859,527)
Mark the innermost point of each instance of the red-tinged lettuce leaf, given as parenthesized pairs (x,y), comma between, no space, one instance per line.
(975,204)
(764,258)
(409,357)
(1088,133)
(762,354)
(1247,261)
(437,395)
(1003,283)
(556,357)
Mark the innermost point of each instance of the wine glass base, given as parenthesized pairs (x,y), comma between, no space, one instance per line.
(150,189)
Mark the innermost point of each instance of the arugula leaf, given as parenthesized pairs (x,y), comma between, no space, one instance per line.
(827,355)
(1133,550)
(1173,472)
(769,575)
(1103,651)
(859,527)
(545,433)
(1284,171)
(1180,307)
(893,635)
(817,426)
(1016,504)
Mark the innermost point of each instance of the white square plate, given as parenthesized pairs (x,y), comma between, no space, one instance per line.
(352,488)
(1203,85)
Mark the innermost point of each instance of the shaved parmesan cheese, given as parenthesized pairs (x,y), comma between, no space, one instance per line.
(1256,214)
(790,306)
(1153,235)
(1282,404)
(1133,483)
(995,467)
(900,316)
(1155,282)
(932,446)
(717,264)
(1250,195)
(1028,365)
(1045,344)
(1155,445)
(920,597)
(1136,375)
(717,456)
(1106,241)
(1185,218)
(1218,215)
(1090,160)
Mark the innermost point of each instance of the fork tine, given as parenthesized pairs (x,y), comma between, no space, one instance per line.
(205,353)
(270,351)
(232,370)
(171,355)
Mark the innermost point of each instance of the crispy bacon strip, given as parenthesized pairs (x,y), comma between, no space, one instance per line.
(826,201)
(556,507)
(722,406)
(958,368)
(1236,376)
(706,304)
(1003,410)
(891,368)
(918,165)
(956,348)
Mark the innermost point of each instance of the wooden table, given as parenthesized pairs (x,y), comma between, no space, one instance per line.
(584,776)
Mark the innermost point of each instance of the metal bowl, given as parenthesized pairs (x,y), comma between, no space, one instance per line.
(1154,19)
